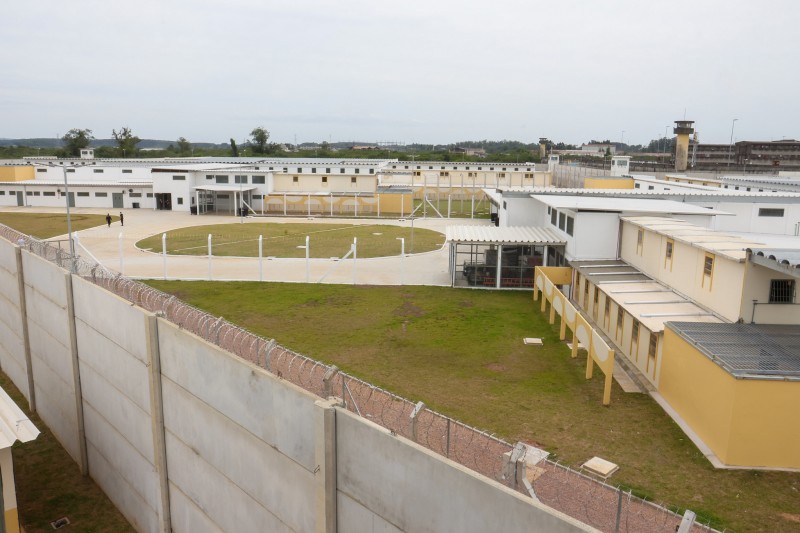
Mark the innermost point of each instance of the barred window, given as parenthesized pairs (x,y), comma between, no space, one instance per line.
(651,350)
(708,265)
(781,291)
(769,212)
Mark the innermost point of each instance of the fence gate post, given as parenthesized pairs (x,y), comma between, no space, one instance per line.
(415,419)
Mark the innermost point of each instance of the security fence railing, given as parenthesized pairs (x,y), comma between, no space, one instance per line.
(587,499)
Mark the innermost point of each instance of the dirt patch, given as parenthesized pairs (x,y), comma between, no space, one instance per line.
(466,303)
(791,517)
(409,309)
(496,367)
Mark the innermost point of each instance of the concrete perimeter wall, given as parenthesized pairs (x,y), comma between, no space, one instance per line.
(184,436)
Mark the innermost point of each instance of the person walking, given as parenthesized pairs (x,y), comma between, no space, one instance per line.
(121,219)
(108,219)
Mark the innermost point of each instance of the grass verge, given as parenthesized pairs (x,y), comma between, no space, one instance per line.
(286,240)
(47,225)
(460,351)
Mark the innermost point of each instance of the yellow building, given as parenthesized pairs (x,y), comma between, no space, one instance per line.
(737,388)
(16,173)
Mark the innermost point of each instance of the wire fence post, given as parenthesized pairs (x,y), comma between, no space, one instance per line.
(209,257)
(164,252)
(619,509)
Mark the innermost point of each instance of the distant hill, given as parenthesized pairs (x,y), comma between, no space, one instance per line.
(96,143)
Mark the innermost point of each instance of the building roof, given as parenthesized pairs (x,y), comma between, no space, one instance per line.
(699,191)
(225,188)
(503,235)
(620,205)
(723,244)
(14,424)
(787,257)
(645,299)
(747,351)
(78,183)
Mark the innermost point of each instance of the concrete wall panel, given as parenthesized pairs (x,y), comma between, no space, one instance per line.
(211,491)
(187,516)
(105,312)
(351,512)
(281,416)
(126,498)
(45,277)
(252,465)
(406,484)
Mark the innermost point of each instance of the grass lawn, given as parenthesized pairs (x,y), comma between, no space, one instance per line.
(47,225)
(458,208)
(50,485)
(461,352)
(283,240)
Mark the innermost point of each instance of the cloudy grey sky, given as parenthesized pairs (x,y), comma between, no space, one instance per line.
(411,71)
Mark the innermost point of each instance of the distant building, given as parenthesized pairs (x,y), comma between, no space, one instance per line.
(598,149)
(476,152)
(746,156)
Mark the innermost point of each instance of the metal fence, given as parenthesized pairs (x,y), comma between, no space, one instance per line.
(591,501)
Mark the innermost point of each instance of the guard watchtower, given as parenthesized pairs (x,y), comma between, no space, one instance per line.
(683,129)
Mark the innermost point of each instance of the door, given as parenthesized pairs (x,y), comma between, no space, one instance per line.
(71,199)
(116,200)
(20,199)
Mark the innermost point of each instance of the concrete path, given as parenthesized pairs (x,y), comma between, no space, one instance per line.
(103,244)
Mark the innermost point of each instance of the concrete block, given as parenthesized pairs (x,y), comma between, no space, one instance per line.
(356,518)
(186,515)
(45,278)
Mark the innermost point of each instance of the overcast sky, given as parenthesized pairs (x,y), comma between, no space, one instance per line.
(432,71)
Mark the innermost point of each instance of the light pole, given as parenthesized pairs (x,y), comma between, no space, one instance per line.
(730,146)
(69,218)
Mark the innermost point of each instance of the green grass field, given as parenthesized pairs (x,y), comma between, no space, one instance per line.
(461,352)
(283,240)
(50,485)
(47,225)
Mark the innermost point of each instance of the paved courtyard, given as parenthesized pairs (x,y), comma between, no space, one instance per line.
(115,248)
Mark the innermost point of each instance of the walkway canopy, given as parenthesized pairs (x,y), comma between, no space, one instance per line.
(479,253)
(220,197)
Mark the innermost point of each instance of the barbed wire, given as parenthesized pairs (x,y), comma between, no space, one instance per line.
(572,492)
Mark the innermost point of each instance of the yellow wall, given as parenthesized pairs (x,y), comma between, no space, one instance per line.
(607,183)
(16,173)
(744,422)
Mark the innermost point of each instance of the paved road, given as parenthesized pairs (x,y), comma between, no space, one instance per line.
(103,243)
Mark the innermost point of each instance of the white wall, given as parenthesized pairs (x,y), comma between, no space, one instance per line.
(595,236)
(12,352)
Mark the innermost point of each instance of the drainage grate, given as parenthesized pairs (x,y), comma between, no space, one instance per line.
(61,522)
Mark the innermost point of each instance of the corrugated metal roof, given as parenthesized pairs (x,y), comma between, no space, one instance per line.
(724,244)
(14,424)
(640,205)
(782,256)
(755,351)
(709,192)
(504,235)
(74,183)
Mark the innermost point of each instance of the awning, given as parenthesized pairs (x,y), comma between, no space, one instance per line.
(503,235)
(225,188)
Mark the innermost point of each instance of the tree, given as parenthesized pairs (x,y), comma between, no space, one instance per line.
(184,146)
(259,137)
(126,140)
(75,140)
(234,149)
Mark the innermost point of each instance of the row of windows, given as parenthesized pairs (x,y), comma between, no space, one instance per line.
(80,194)
(296,179)
(430,167)
(256,180)
(562,221)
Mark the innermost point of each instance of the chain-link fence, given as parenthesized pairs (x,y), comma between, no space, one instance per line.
(569,491)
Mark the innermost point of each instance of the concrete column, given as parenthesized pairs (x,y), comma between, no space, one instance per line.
(499,265)
(325,457)
(26,340)
(76,377)
(157,421)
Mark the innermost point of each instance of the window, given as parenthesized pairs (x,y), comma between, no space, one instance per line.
(668,250)
(324,179)
(178,178)
(770,212)
(636,185)
(83,194)
(372,171)
(98,170)
(299,170)
(328,171)
(607,311)
(180,200)
(708,270)
(570,226)
(72,170)
(652,348)
(127,171)
(37,193)
(586,293)
(48,193)
(358,170)
(223,196)
(41,170)
(101,195)
(781,291)
(353,179)
(562,221)
(259,180)
(554,217)
(314,170)
(240,179)
(620,320)
(209,176)
(222,179)
(639,241)
(2,193)
(635,340)
(30,193)
(149,195)
(295,179)
(501,175)
(135,195)
(341,171)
